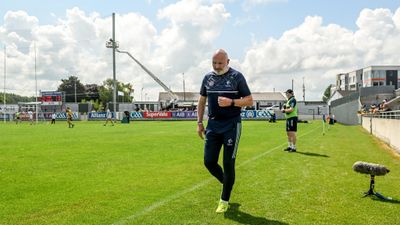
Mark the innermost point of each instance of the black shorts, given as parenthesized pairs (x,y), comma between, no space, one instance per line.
(291,124)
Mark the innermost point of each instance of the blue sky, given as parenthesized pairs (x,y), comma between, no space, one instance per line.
(264,20)
(262,26)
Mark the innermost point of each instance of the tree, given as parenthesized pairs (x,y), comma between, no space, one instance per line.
(68,86)
(106,91)
(127,89)
(97,105)
(92,92)
(327,93)
(14,99)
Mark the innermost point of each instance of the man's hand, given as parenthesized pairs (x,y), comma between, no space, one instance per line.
(200,130)
(224,102)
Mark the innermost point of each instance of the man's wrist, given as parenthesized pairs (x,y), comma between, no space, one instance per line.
(199,122)
(233,102)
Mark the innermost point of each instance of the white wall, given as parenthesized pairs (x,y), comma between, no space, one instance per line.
(347,113)
(385,129)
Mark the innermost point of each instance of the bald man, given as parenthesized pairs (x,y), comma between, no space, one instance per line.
(227,92)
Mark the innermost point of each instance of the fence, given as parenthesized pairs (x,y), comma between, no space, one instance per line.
(385,115)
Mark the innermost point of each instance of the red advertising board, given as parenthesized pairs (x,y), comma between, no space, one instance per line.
(157,115)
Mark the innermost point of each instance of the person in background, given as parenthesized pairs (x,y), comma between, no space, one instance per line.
(290,111)
(53,118)
(17,117)
(30,114)
(272,118)
(109,117)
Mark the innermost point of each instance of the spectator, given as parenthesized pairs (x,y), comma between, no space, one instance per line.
(17,117)
(53,118)
(30,114)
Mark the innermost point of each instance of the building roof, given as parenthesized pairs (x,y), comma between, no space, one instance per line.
(268,96)
(387,67)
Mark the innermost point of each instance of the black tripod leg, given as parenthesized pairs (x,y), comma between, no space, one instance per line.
(382,197)
(371,187)
(371,190)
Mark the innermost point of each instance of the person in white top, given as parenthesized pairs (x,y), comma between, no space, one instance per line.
(53,118)
(109,117)
(30,113)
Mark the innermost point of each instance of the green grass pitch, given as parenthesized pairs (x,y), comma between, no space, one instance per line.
(153,173)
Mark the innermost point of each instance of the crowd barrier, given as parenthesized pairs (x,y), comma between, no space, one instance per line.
(192,115)
(158,115)
(42,116)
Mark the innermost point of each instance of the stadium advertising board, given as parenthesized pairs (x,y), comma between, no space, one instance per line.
(63,116)
(255,114)
(152,115)
(7,116)
(247,114)
(184,114)
(136,115)
(59,116)
(99,115)
(10,108)
(47,116)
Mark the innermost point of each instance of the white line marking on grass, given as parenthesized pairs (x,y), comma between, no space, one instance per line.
(194,187)
(269,151)
(163,202)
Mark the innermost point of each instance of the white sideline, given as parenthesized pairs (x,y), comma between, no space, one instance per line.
(194,187)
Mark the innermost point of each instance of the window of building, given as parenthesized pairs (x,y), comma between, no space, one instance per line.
(367,75)
(378,74)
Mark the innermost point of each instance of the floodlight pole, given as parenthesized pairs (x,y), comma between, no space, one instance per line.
(75,90)
(114,68)
(304,91)
(114,45)
(5,73)
(36,92)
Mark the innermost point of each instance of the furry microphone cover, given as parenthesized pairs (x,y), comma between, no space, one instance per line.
(370,168)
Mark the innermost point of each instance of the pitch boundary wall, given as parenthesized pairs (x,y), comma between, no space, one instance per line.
(384,129)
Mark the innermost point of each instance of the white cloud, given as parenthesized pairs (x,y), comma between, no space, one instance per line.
(318,52)
(76,45)
(248,4)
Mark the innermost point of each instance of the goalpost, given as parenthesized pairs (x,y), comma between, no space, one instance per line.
(35,108)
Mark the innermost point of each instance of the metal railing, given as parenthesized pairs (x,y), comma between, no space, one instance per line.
(384,114)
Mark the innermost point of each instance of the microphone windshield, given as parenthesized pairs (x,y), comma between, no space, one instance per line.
(370,168)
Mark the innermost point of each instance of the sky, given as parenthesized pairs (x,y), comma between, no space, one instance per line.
(272,42)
